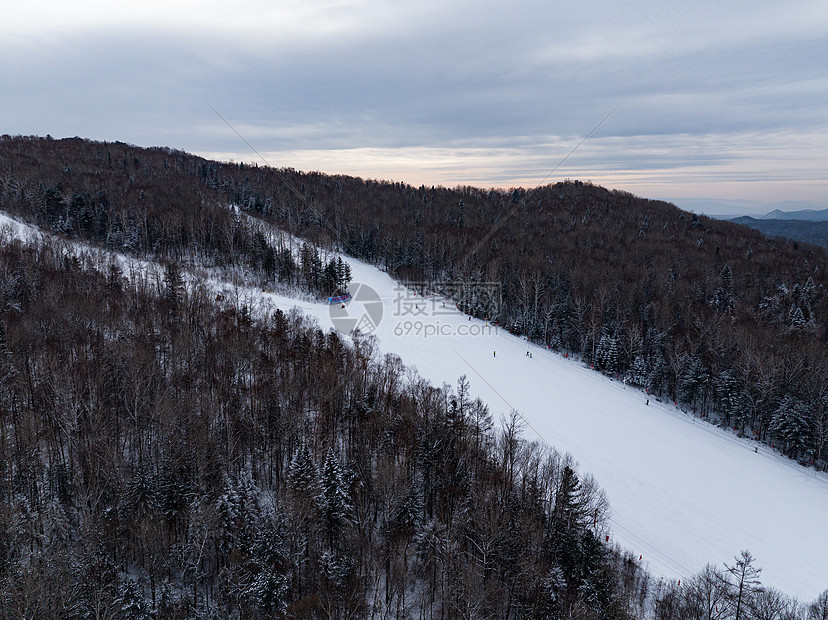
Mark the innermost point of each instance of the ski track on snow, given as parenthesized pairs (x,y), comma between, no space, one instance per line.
(683,492)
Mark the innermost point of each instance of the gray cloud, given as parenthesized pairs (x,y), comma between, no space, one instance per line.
(491,82)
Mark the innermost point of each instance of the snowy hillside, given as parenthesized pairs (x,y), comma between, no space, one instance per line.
(682,492)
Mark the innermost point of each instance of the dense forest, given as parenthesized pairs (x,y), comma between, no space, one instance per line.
(706,313)
(167,454)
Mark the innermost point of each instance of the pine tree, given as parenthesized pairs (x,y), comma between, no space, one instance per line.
(303,474)
(693,381)
(569,501)
(724,294)
(791,424)
(333,500)
(727,392)
(329,280)
(311,265)
(270,564)
(796,318)
(173,289)
(607,354)
(239,508)
(658,373)
(637,375)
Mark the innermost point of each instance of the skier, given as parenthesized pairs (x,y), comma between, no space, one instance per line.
(494,353)
(648,401)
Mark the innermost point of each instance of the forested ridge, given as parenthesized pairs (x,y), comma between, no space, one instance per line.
(168,455)
(709,314)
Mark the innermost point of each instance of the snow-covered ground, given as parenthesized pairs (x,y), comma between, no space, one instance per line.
(683,493)
(13,229)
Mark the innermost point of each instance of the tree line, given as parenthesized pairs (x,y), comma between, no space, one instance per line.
(164,455)
(288,467)
(712,315)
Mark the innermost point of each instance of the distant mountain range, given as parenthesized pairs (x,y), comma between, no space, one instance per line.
(727,209)
(807,215)
(801,221)
(812,231)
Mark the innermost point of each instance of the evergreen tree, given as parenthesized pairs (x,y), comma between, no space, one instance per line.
(238,507)
(658,375)
(797,319)
(333,501)
(568,512)
(791,424)
(724,294)
(311,265)
(268,593)
(303,473)
(728,395)
(637,374)
(693,381)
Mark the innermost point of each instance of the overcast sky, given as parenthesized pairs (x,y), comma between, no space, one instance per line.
(711,99)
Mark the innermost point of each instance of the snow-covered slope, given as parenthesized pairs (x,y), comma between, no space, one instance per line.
(683,493)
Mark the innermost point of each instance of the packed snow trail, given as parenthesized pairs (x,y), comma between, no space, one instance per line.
(683,493)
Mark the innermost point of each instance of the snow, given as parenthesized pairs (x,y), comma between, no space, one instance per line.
(16,230)
(683,493)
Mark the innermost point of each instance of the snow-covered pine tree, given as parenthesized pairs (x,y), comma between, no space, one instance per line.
(607,354)
(303,474)
(796,318)
(637,374)
(173,288)
(693,381)
(727,394)
(724,297)
(333,500)
(791,424)
(239,509)
(270,565)
(657,375)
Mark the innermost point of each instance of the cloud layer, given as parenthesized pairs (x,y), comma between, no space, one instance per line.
(713,99)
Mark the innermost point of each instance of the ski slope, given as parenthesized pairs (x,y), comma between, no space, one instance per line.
(683,493)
